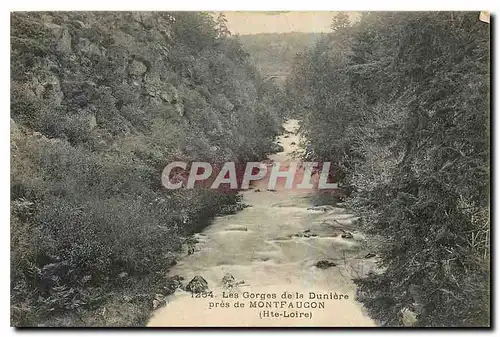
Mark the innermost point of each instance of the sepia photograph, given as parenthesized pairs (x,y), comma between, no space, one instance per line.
(244,169)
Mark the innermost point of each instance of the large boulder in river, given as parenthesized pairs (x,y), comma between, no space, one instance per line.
(197,285)
(325,264)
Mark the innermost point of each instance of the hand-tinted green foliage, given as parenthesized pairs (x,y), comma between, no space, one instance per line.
(400,101)
(101,102)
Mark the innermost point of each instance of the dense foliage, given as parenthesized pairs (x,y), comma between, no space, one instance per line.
(400,102)
(100,103)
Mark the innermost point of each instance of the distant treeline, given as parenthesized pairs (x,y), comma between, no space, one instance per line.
(401,103)
(100,103)
(273,53)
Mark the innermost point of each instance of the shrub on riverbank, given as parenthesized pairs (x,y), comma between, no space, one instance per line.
(400,102)
(100,103)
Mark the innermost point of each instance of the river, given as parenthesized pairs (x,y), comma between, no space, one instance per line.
(273,247)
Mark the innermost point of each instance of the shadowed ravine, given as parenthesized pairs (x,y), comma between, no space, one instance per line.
(273,246)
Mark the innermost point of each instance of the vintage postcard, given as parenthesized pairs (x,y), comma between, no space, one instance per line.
(250,169)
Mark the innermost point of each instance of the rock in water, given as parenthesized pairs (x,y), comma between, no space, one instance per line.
(324,264)
(317,208)
(197,285)
(228,281)
(159,300)
(347,235)
(172,284)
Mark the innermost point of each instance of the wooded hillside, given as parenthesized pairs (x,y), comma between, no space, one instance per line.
(400,102)
(100,103)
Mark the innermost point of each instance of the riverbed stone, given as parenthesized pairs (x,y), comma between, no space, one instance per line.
(347,235)
(173,283)
(325,264)
(317,208)
(238,229)
(159,300)
(228,281)
(197,285)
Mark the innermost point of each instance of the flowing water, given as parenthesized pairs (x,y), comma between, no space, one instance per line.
(270,248)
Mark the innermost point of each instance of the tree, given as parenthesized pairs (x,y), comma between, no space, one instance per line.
(221,25)
(340,21)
